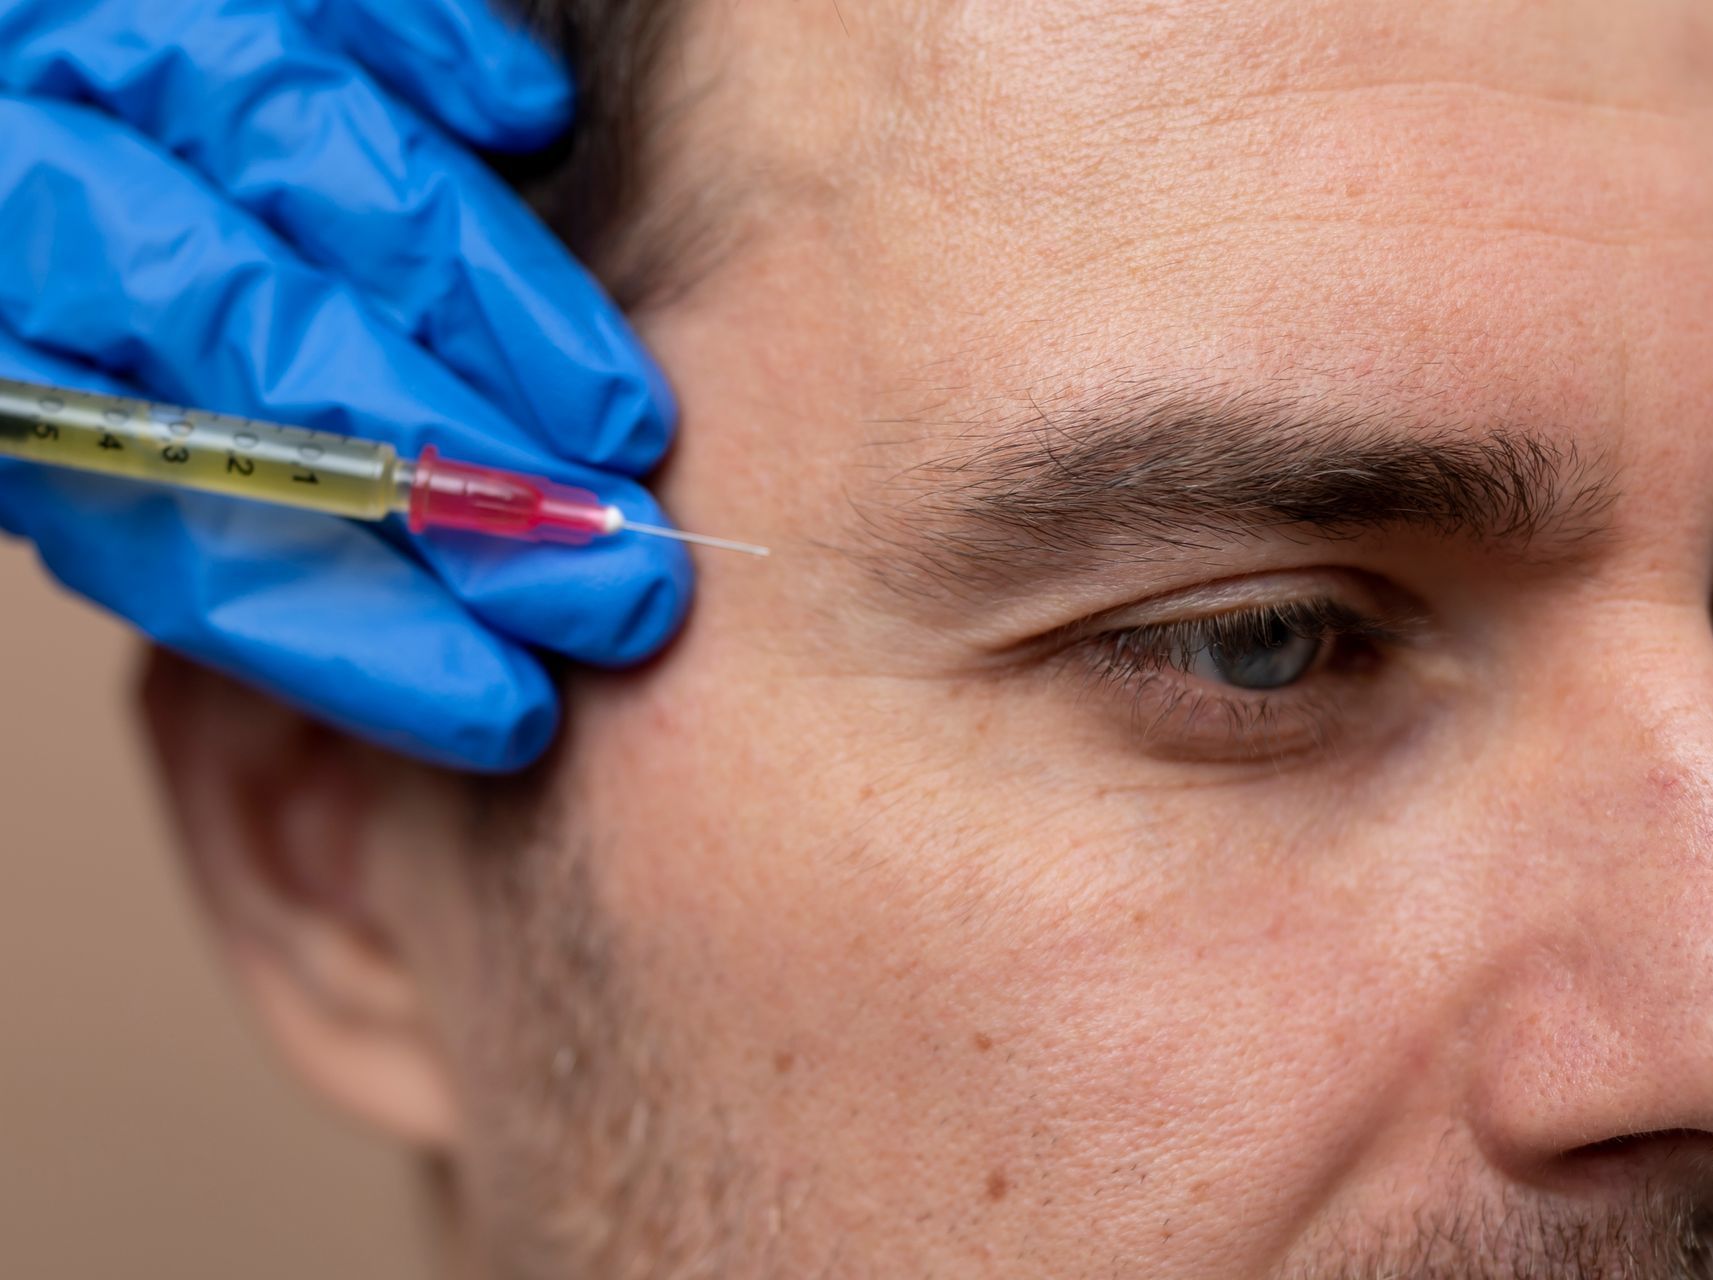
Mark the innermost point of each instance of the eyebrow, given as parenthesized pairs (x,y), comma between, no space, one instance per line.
(1154,470)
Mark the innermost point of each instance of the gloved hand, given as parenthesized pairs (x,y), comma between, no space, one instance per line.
(259,208)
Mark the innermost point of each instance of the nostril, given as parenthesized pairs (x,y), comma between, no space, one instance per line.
(1674,1163)
(1631,1143)
(1680,1157)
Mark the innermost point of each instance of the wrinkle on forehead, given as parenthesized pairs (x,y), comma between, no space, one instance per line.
(1214,53)
(1501,115)
(1217,166)
(1093,130)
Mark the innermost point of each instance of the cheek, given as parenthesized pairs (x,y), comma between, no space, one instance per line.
(926,987)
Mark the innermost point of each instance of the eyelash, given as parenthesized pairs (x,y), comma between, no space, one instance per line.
(1196,719)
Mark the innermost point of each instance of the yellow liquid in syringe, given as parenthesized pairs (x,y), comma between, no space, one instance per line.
(190,449)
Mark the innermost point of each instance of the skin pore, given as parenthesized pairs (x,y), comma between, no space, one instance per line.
(935,907)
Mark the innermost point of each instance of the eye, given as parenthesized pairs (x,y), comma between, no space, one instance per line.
(1265,681)
(1268,655)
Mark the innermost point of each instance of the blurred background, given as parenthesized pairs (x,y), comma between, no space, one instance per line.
(145,1129)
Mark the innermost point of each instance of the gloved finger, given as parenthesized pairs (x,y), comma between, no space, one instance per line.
(360,185)
(112,253)
(316,612)
(460,62)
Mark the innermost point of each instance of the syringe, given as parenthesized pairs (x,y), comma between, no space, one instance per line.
(297,467)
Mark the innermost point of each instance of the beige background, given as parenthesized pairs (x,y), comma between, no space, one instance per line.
(144,1129)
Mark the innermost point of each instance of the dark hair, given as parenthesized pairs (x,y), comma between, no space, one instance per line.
(590,187)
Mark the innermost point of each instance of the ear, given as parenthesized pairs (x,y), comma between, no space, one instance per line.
(324,883)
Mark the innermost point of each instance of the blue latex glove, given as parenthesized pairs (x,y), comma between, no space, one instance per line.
(259,208)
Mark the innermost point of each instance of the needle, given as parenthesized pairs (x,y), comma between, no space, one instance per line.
(700,539)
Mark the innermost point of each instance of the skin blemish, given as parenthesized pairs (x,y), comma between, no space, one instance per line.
(783,1061)
(1665,781)
(982,1041)
(997,1185)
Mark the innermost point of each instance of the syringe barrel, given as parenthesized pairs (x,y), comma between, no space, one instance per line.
(189,449)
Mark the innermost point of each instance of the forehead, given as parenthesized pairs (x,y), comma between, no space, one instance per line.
(1289,182)
(1214,166)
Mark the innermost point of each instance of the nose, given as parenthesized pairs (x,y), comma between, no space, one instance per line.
(1594,1040)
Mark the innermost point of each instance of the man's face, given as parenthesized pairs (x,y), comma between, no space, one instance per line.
(1215,779)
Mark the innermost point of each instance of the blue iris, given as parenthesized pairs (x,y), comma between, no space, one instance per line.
(1270,658)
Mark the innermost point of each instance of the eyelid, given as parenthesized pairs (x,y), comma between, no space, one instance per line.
(1386,606)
